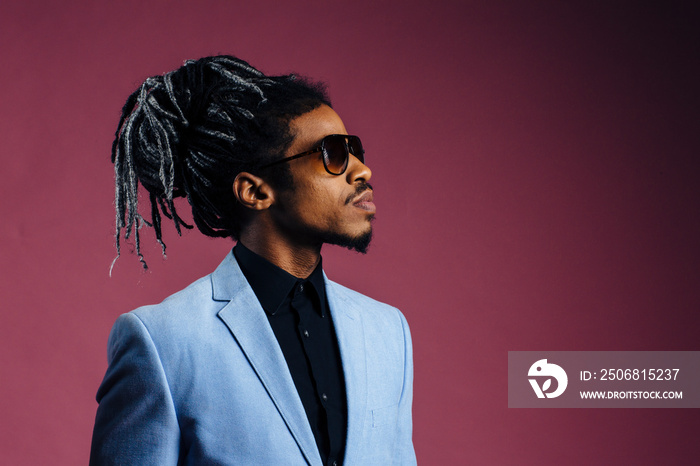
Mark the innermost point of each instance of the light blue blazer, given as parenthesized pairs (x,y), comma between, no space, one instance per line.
(201,379)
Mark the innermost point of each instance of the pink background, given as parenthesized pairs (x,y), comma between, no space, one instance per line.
(536,170)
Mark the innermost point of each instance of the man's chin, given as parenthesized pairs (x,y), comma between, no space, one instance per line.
(356,243)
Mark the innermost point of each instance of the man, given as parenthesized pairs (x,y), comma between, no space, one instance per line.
(264,361)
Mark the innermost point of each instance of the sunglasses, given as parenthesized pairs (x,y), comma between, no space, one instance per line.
(336,149)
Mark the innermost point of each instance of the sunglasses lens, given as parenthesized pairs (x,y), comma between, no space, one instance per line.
(355,147)
(335,154)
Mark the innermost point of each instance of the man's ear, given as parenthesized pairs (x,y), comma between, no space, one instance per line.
(253,192)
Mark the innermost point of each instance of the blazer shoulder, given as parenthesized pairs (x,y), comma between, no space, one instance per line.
(202,297)
(179,304)
(182,318)
(347,294)
(369,308)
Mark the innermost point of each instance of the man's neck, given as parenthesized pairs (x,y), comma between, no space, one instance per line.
(293,259)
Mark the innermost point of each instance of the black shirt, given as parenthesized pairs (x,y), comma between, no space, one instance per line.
(298,313)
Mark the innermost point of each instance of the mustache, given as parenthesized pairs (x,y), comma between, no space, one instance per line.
(359,189)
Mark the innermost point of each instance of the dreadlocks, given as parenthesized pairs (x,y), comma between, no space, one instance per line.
(188,134)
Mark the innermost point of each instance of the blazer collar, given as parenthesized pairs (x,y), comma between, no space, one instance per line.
(227,280)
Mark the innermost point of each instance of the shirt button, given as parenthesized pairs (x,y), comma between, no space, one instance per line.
(325,398)
(306,333)
(301,287)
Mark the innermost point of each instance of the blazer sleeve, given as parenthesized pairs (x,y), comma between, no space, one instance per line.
(406,453)
(136,421)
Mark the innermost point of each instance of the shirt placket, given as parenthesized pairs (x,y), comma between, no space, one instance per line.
(301,304)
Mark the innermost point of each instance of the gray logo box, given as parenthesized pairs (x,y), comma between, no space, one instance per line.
(604,379)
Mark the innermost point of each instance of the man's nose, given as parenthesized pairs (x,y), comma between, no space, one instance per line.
(357,171)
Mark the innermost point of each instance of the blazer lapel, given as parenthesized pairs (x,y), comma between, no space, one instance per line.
(248,324)
(351,341)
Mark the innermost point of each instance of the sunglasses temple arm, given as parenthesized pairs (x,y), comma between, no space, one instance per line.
(287,159)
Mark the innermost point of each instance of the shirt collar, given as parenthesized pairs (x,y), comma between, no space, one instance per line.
(271,284)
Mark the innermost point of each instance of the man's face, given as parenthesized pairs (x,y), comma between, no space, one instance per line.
(320,207)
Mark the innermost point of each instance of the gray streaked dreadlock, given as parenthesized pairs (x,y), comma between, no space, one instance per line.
(188,134)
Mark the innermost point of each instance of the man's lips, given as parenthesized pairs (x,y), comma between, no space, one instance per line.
(365,201)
